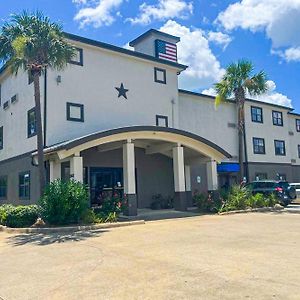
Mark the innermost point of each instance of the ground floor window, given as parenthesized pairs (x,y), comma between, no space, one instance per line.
(3,187)
(281,176)
(24,185)
(261,176)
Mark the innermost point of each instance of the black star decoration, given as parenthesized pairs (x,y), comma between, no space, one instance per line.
(122,91)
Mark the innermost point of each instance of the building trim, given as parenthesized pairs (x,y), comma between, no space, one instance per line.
(102,45)
(232,101)
(153,31)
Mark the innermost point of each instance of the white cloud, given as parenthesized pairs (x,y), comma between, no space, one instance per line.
(279,19)
(219,38)
(271,96)
(291,54)
(164,9)
(194,51)
(103,14)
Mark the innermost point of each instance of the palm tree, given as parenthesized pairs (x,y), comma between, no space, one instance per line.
(33,43)
(238,82)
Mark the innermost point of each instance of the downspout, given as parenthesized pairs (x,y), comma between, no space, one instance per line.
(45,108)
(246,155)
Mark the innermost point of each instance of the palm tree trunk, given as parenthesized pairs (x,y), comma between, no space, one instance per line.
(240,99)
(39,129)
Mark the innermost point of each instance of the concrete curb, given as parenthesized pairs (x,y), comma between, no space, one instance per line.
(250,210)
(70,228)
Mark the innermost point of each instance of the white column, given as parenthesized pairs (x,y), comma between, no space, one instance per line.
(129,168)
(187,170)
(76,168)
(178,169)
(55,170)
(212,175)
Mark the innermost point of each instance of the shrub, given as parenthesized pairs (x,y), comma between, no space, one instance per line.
(238,198)
(89,217)
(19,216)
(110,209)
(257,200)
(64,202)
(210,202)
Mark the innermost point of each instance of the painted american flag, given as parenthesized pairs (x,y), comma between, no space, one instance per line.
(165,50)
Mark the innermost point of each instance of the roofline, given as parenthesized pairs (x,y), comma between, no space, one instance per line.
(145,34)
(247,99)
(122,50)
(294,113)
(101,134)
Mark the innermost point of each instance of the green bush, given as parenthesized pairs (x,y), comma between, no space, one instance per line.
(238,198)
(89,217)
(110,209)
(64,202)
(257,200)
(19,216)
(210,202)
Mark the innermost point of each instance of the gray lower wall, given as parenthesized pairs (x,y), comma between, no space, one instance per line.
(272,170)
(154,172)
(11,168)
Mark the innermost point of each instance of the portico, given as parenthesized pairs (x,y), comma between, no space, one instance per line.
(151,159)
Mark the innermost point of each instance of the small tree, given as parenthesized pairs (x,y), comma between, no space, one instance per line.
(33,43)
(239,81)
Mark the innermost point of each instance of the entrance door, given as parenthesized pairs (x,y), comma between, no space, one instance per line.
(104,183)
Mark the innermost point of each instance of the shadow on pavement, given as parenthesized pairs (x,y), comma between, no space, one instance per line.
(43,239)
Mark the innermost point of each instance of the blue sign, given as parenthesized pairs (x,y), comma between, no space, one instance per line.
(228,167)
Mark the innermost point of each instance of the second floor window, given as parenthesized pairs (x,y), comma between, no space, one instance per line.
(31,123)
(277,118)
(259,146)
(298,125)
(256,114)
(77,59)
(279,147)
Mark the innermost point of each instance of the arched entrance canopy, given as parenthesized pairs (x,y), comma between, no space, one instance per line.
(177,136)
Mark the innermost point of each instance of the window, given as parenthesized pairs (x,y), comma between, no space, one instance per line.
(299,151)
(160,75)
(279,147)
(14,99)
(1,138)
(162,121)
(261,176)
(277,118)
(259,146)
(31,123)
(298,125)
(0,95)
(75,112)
(256,114)
(6,105)
(77,58)
(3,187)
(281,176)
(24,185)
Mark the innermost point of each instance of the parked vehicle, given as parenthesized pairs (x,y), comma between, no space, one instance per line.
(297,188)
(281,189)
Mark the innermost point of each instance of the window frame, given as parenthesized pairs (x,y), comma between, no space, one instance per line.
(81,106)
(297,125)
(161,117)
(273,119)
(29,134)
(6,183)
(80,62)
(252,114)
(22,174)
(281,141)
(1,137)
(264,146)
(164,71)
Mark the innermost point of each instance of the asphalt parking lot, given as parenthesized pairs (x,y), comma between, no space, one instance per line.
(245,256)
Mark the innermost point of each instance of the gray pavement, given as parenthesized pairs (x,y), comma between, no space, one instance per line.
(244,256)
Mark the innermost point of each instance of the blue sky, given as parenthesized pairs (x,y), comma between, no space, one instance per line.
(213,34)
